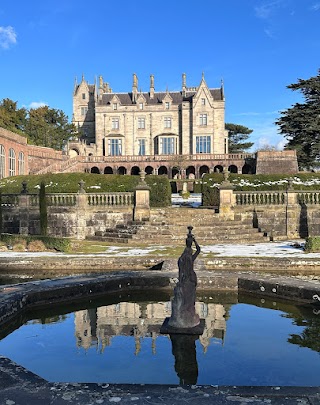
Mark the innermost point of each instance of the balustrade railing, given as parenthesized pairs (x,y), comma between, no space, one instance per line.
(107,199)
(9,200)
(308,197)
(260,197)
(61,199)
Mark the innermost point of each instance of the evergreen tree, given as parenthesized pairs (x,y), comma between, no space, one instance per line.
(238,135)
(49,127)
(42,126)
(300,124)
(11,117)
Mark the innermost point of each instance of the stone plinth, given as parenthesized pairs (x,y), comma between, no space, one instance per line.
(196,330)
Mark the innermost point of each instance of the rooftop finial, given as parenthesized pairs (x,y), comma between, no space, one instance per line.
(202,75)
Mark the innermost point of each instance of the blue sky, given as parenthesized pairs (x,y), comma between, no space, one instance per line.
(257,47)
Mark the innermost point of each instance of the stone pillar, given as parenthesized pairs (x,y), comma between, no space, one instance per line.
(81,209)
(141,210)
(292,212)
(24,203)
(227,197)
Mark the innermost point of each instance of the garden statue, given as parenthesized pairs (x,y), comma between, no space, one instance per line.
(184,318)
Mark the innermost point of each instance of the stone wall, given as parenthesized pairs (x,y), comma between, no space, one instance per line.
(41,157)
(276,162)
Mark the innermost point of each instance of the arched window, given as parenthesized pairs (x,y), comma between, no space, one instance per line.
(21,163)
(12,162)
(2,162)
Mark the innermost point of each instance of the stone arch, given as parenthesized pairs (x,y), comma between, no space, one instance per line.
(149,170)
(135,170)
(108,170)
(162,170)
(247,169)
(122,170)
(191,172)
(203,170)
(233,169)
(95,170)
(175,173)
(218,169)
(74,152)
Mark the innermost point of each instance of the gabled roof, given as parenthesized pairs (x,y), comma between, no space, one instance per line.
(177,97)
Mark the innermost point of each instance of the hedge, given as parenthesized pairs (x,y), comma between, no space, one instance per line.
(312,244)
(160,194)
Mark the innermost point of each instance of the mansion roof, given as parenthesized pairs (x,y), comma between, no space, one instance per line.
(177,97)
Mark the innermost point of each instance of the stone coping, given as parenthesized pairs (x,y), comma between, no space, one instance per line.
(19,386)
(64,265)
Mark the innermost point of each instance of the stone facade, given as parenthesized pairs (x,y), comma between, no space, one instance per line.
(190,121)
(14,154)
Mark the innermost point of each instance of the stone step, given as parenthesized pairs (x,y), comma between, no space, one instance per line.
(108,239)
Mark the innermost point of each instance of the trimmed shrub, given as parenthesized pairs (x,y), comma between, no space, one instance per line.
(59,244)
(160,190)
(312,244)
(36,246)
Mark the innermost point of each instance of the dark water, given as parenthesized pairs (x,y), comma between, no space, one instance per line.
(246,341)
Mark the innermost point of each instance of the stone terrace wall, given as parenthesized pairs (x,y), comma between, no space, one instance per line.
(41,157)
(274,162)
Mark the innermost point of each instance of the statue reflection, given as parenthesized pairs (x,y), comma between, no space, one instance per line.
(184,351)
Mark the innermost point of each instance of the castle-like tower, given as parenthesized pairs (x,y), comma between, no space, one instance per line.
(137,123)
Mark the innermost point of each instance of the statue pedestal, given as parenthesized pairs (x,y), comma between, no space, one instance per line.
(196,330)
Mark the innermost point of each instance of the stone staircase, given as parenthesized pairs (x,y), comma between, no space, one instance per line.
(169,226)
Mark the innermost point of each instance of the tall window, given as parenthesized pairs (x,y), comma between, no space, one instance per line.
(167,122)
(203,144)
(167,105)
(2,162)
(167,146)
(203,119)
(115,123)
(83,96)
(141,123)
(203,101)
(21,163)
(140,106)
(115,106)
(142,147)
(115,147)
(12,162)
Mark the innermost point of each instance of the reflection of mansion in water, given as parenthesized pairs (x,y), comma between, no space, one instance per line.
(97,326)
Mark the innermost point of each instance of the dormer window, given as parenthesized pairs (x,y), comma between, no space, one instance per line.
(115,106)
(167,105)
(140,106)
(83,96)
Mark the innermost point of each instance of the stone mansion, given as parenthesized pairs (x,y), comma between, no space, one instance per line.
(174,128)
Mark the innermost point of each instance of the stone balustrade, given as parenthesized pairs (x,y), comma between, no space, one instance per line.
(260,197)
(10,200)
(110,199)
(308,197)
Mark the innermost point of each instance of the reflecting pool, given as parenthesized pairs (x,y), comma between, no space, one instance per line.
(246,341)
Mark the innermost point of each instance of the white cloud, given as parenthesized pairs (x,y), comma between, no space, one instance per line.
(8,37)
(265,10)
(315,7)
(37,104)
